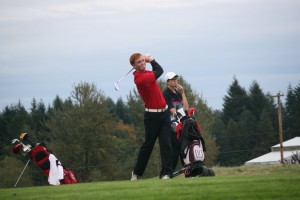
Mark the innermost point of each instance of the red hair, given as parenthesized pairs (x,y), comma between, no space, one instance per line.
(133,57)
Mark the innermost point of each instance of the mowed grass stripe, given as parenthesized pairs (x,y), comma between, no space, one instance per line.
(282,183)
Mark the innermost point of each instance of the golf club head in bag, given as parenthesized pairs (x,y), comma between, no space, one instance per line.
(17,148)
(15,141)
(24,149)
(27,138)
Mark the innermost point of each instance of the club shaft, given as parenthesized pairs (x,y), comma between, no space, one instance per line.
(22,173)
(125,75)
(179,172)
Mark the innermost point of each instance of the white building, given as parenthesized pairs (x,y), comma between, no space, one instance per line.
(290,147)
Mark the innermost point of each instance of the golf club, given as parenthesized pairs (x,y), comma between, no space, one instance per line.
(117,83)
(180,171)
(14,141)
(22,173)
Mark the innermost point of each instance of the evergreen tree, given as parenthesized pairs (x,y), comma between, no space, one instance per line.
(263,108)
(122,111)
(38,116)
(14,120)
(296,118)
(58,103)
(257,100)
(246,110)
(246,139)
(266,134)
(230,148)
(235,102)
(2,136)
(292,120)
(135,108)
(219,133)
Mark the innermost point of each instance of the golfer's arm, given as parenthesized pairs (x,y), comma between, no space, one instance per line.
(170,105)
(157,69)
(185,102)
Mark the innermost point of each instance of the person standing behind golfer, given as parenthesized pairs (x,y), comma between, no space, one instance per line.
(176,99)
(156,118)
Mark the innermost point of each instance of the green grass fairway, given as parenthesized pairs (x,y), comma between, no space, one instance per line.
(266,182)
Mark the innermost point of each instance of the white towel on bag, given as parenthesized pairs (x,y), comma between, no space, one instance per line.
(56,171)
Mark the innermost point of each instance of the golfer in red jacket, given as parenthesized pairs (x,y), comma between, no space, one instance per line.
(156,118)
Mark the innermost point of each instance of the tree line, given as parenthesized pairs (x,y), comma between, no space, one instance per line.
(99,139)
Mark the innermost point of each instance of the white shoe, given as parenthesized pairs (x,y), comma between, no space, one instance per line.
(134,177)
(165,177)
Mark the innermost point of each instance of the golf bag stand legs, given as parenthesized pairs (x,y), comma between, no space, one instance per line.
(180,171)
(22,173)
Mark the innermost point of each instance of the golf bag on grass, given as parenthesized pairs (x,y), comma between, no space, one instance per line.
(45,160)
(192,147)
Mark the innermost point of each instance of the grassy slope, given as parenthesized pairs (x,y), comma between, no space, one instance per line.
(246,182)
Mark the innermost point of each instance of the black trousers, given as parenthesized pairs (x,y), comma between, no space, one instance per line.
(176,150)
(157,125)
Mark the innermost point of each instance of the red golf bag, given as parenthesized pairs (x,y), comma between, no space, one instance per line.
(45,160)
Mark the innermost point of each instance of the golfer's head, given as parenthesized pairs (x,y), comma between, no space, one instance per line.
(171,76)
(137,60)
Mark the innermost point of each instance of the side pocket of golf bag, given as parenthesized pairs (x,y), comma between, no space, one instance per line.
(40,156)
(194,159)
(194,153)
(69,177)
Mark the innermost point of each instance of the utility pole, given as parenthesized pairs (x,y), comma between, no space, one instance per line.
(280,125)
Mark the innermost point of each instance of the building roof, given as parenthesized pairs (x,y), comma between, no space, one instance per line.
(270,158)
(290,143)
(274,156)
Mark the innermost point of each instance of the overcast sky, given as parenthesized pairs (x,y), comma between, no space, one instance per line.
(48,46)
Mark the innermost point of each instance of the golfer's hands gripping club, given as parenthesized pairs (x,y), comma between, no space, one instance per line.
(148,58)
